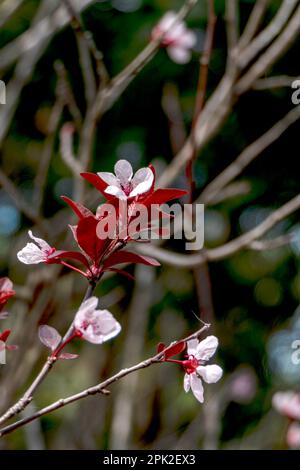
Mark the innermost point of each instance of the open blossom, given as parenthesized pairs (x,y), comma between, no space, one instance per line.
(3,339)
(123,184)
(178,39)
(95,326)
(287,404)
(6,291)
(34,253)
(198,354)
(293,435)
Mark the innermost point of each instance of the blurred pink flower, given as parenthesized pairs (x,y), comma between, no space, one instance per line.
(293,435)
(123,184)
(243,385)
(287,404)
(178,39)
(198,354)
(95,326)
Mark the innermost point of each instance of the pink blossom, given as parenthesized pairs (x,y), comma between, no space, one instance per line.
(123,184)
(178,39)
(198,354)
(287,404)
(34,253)
(293,435)
(95,326)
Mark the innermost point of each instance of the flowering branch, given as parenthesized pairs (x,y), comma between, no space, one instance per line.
(102,387)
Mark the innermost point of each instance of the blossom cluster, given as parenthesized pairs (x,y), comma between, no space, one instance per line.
(6,292)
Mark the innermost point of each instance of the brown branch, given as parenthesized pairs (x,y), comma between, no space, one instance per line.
(248,155)
(274,82)
(253,23)
(100,388)
(231,17)
(229,248)
(267,59)
(267,35)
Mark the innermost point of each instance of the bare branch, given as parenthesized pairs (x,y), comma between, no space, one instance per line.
(100,388)
(231,17)
(268,34)
(274,82)
(248,155)
(228,249)
(267,59)
(7,9)
(253,22)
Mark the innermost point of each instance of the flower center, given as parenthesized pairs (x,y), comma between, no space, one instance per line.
(191,364)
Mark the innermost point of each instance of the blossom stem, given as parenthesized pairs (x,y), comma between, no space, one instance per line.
(74,268)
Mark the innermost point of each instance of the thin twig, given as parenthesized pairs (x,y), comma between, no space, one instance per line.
(100,388)
(248,155)
(229,248)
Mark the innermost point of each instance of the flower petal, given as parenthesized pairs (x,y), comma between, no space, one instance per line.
(210,374)
(197,387)
(293,435)
(5,284)
(188,39)
(109,178)
(207,348)
(115,191)
(180,55)
(31,254)
(123,171)
(186,383)
(192,347)
(40,242)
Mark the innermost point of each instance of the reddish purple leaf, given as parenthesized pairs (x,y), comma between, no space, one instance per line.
(122,272)
(88,240)
(67,356)
(164,195)
(78,208)
(4,335)
(60,254)
(49,336)
(160,347)
(128,257)
(175,349)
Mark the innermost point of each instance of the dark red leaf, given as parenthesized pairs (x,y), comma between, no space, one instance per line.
(122,272)
(49,336)
(4,335)
(67,356)
(175,349)
(88,239)
(78,208)
(128,257)
(99,184)
(163,195)
(161,347)
(70,255)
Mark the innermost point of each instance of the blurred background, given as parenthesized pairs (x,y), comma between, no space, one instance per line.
(253,302)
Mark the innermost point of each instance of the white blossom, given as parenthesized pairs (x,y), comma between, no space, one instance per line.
(123,184)
(95,326)
(34,253)
(199,353)
(287,403)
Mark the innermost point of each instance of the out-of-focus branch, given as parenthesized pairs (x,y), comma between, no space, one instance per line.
(268,34)
(274,82)
(124,405)
(7,9)
(228,249)
(253,22)
(248,155)
(100,388)
(232,17)
(66,149)
(278,242)
(39,32)
(276,50)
